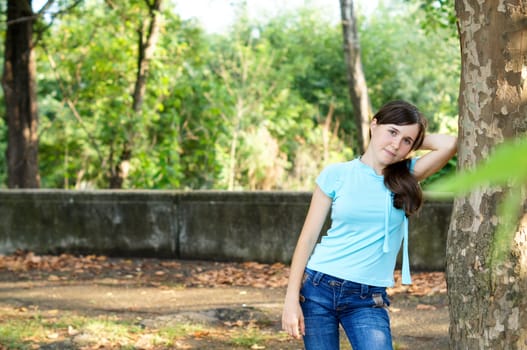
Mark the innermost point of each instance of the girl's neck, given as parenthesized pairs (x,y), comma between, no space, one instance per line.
(367,159)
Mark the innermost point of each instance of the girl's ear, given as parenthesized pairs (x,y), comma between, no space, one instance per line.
(373,124)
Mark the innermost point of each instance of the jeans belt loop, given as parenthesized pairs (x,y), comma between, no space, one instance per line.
(364,289)
(317,277)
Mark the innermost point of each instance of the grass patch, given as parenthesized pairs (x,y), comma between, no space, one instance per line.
(21,328)
(181,330)
(31,328)
(248,338)
(254,337)
(16,328)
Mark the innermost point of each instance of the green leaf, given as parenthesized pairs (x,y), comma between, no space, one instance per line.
(508,211)
(507,165)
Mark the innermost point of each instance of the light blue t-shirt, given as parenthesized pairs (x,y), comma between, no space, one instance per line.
(366,229)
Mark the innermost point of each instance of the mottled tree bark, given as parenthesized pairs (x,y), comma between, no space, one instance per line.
(19,84)
(358,89)
(488,300)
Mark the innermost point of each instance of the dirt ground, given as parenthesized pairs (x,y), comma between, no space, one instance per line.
(155,293)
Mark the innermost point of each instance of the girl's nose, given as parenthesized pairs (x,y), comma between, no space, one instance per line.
(396,143)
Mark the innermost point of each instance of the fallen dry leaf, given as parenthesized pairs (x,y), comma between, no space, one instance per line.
(200,334)
(72,331)
(425,307)
(158,273)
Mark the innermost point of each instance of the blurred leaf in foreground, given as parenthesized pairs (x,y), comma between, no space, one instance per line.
(507,166)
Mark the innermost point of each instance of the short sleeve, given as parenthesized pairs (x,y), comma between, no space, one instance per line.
(411,164)
(329,179)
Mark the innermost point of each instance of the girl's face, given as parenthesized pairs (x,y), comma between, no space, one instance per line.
(392,142)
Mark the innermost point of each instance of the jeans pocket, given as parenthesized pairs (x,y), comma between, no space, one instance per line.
(381,300)
(305,278)
(378,299)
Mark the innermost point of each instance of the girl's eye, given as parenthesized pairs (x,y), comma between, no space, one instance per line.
(393,132)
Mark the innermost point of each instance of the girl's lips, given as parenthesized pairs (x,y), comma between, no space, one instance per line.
(390,153)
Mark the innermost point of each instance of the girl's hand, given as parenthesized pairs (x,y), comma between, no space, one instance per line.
(293,319)
(292,316)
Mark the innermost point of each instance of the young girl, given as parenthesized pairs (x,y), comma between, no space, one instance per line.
(343,280)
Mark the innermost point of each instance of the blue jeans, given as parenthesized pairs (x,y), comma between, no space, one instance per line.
(328,302)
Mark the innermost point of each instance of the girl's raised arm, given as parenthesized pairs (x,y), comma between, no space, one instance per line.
(442,148)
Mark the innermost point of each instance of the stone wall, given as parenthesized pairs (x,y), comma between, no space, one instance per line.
(204,225)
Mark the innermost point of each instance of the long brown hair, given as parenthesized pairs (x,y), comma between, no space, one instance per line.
(397,177)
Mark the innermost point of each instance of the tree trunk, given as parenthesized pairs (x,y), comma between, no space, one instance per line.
(488,300)
(19,84)
(147,45)
(357,86)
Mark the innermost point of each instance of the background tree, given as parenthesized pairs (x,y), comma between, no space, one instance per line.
(101,79)
(291,71)
(301,117)
(245,70)
(488,291)
(148,33)
(357,86)
(19,85)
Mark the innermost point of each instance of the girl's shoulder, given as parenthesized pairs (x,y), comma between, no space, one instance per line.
(340,167)
(332,177)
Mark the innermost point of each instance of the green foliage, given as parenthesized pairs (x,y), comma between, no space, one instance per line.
(96,73)
(439,15)
(507,165)
(402,61)
(264,106)
(506,168)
